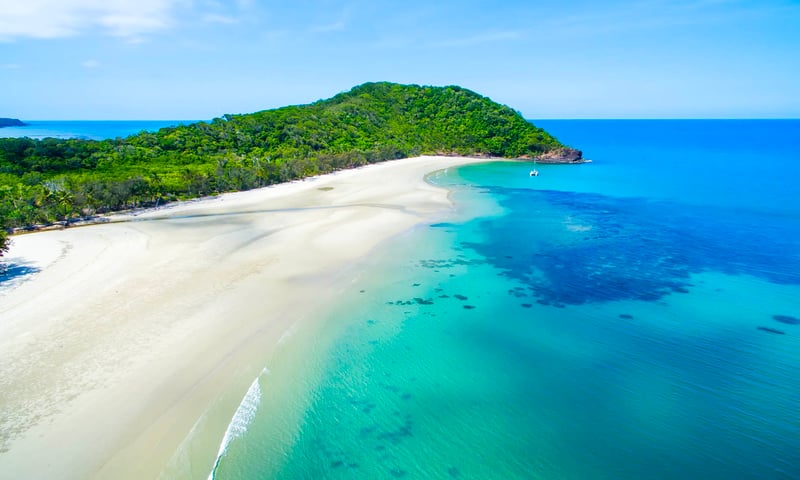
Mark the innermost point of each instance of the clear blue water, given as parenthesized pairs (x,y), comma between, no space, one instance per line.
(86,129)
(633,318)
(637,317)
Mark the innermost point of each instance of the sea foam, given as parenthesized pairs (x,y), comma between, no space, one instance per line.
(241,420)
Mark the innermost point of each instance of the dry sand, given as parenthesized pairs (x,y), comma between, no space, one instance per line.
(132,332)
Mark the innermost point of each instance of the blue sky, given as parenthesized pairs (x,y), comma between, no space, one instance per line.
(198,59)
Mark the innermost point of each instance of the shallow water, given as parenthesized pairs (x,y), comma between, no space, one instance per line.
(636,317)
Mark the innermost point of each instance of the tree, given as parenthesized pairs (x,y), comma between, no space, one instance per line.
(4,240)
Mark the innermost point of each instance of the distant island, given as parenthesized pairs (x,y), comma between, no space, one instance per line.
(11,122)
(51,180)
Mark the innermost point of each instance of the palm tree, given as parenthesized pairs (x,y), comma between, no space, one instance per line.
(64,199)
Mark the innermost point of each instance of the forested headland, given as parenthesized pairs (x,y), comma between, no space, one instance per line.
(11,122)
(57,180)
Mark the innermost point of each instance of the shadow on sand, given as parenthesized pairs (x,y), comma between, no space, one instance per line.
(12,273)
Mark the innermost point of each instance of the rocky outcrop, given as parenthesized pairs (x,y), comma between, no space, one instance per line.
(562,155)
(11,122)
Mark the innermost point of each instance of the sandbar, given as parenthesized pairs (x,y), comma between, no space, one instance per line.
(129,332)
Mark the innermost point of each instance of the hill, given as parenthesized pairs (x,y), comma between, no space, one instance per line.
(48,180)
(11,122)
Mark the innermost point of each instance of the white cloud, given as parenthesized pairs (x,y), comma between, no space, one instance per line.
(9,66)
(91,63)
(63,18)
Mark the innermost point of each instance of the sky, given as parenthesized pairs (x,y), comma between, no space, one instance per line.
(200,59)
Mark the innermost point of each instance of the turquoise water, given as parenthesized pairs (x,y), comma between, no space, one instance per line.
(633,318)
(86,129)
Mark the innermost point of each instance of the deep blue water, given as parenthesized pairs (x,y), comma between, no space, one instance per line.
(633,318)
(86,129)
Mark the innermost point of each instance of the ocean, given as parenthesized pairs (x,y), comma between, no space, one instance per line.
(637,317)
(86,129)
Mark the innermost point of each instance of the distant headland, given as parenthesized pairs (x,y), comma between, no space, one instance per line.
(11,122)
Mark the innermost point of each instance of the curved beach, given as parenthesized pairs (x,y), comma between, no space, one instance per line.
(136,332)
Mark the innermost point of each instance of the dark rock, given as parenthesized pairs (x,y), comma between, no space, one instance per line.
(562,155)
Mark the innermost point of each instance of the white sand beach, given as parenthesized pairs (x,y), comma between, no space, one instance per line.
(131,331)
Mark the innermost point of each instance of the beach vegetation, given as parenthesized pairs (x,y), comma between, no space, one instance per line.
(4,242)
(49,180)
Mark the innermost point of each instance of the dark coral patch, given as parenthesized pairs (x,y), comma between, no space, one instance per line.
(518,292)
(626,316)
(771,330)
(788,320)
(625,250)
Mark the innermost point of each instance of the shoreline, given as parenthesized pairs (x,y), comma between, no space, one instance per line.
(131,214)
(138,329)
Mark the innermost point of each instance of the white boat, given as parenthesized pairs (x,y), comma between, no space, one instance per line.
(534,172)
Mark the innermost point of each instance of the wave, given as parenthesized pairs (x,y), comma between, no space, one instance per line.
(241,420)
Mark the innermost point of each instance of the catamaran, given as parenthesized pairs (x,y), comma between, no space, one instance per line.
(534,172)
